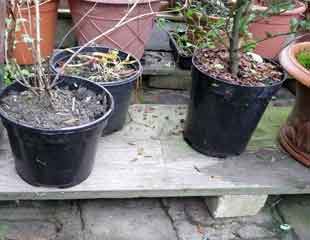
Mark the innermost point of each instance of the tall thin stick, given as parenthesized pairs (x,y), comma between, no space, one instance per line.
(38,42)
(76,25)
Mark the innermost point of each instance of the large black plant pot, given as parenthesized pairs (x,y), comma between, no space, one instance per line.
(222,116)
(121,90)
(56,158)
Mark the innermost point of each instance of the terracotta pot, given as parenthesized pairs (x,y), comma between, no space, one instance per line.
(292,66)
(130,38)
(276,24)
(48,14)
(295,133)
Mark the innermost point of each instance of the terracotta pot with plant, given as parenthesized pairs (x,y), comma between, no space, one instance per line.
(274,18)
(22,29)
(231,89)
(295,134)
(102,15)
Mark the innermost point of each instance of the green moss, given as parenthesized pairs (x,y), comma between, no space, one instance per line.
(304,58)
(265,135)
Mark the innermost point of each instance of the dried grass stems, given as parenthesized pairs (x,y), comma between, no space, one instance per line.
(105,67)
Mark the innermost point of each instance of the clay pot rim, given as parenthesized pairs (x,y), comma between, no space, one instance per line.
(299,9)
(116,2)
(288,60)
(297,48)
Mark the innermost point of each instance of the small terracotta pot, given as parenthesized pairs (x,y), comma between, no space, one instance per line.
(130,38)
(276,24)
(295,133)
(48,19)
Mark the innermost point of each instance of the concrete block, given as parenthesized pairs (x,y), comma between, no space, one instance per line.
(235,205)
(180,80)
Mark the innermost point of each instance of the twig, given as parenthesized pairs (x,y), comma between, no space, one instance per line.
(73,104)
(76,25)
(267,38)
(38,41)
(33,51)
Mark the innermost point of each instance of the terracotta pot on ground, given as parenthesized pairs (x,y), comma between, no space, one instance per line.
(276,24)
(295,134)
(48,14)
(130,38)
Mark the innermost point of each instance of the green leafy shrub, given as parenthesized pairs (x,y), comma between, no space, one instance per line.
(304,58)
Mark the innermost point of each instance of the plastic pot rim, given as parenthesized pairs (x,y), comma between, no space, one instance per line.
(177,46)
(66,130)
(129,79)
(239,85)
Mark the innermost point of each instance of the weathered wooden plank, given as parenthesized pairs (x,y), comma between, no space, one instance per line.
(149,158)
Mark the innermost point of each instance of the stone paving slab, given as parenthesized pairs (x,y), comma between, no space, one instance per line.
(192,221)
(40,221)
(139,219)
(149,158)
(126,219)
(296,212)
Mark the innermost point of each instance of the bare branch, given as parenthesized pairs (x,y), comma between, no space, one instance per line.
(76,25)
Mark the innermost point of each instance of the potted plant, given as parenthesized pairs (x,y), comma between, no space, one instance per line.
(230,90)
(122,67)
(201,21)
(116,70)
(105,14)
(295,133)
(53,122)
(21,28)
(274,17)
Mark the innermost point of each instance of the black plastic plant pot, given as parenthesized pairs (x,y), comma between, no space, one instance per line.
(56,158)
(183,61)
(121,90)
(222,116)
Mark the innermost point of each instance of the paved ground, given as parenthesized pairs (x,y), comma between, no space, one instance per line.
(152,219)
